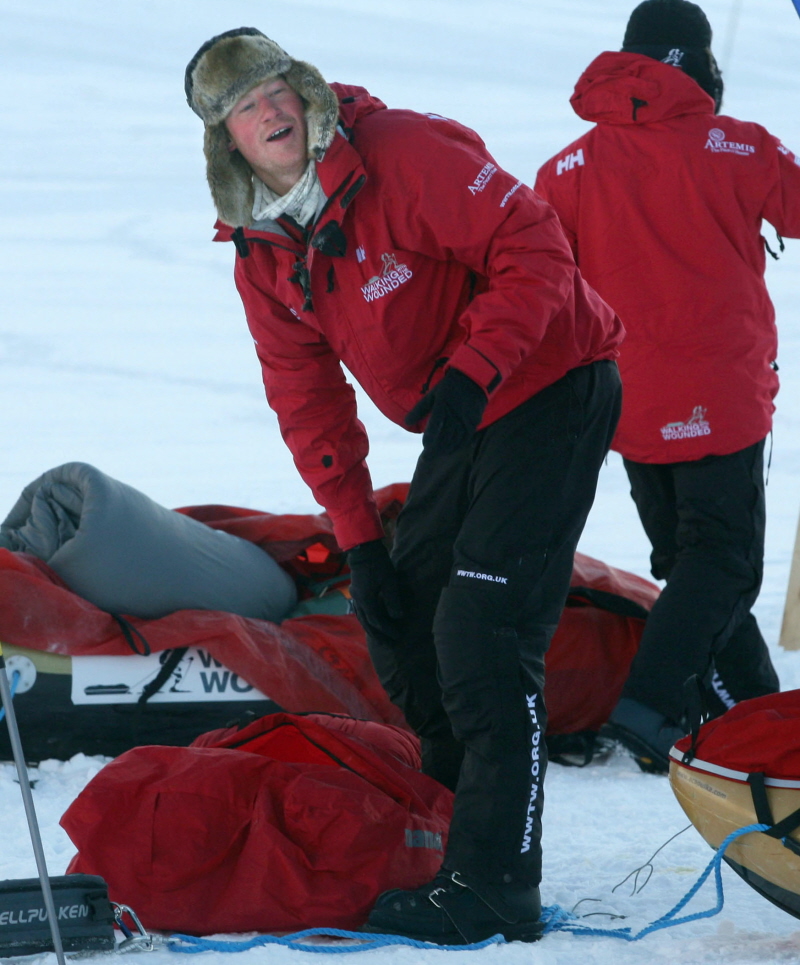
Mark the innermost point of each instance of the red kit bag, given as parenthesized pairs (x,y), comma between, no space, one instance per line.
(293,822)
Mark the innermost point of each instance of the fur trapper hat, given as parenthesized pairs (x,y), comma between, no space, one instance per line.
(222,71)
(676,32)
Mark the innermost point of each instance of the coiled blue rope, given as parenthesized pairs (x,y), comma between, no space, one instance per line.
(554,918)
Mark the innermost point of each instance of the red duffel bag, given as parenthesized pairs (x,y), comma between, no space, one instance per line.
(295,821)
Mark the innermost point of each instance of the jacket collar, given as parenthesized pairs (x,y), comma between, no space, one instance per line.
(342,175)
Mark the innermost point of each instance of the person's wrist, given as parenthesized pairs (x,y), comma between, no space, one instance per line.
(467,399)
(367,552)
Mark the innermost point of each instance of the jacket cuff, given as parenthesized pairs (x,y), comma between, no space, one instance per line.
(476,366)
(360,525)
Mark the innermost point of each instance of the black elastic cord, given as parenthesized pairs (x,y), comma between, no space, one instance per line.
(166,671)
(781,246)
(128,631)
(163,675)
(783,827)
(695,713)
(769,457)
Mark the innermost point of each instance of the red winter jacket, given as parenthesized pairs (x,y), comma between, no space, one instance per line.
(428,255)
(663,203)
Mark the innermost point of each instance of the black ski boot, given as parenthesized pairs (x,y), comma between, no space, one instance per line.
(645,733)
(453,911)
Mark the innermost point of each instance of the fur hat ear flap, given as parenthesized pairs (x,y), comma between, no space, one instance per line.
(230,178)
(322,105)
(222,71)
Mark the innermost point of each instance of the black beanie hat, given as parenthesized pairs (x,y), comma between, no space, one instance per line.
(676,32)
(675,22)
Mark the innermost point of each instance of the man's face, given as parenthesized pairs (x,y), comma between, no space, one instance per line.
(268,127)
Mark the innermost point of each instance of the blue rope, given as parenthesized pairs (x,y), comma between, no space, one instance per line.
(368,942)
(564,921)
(15,679)
(554,918)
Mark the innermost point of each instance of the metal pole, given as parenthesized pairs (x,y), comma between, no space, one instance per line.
(30,811)
(730,34)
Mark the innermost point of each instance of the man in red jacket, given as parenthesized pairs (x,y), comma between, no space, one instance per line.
(663,202)
(393,243)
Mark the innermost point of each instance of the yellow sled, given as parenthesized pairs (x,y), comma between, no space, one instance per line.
(718,800)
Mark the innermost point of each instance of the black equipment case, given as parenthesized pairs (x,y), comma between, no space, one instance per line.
(85,915)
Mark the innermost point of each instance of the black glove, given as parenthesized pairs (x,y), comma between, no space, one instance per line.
(375,589)
(456,406)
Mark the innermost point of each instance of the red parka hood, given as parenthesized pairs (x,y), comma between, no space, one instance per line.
(355,102)
(621,88)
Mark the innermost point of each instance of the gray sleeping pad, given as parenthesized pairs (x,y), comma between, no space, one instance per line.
(126,554)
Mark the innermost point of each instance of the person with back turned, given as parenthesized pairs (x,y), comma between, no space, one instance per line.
(663,202)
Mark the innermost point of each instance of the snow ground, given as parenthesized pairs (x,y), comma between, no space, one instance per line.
(122,344)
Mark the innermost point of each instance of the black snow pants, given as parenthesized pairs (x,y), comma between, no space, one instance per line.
(705,521)
(484,549)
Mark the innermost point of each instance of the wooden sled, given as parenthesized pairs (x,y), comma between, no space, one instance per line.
(718,801)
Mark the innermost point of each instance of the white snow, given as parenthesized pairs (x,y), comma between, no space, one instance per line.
(123,344)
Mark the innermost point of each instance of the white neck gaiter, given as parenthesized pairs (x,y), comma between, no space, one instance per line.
(302,203)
